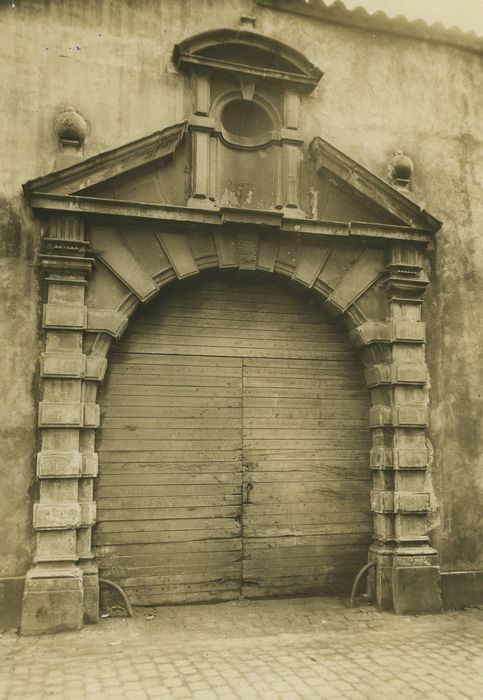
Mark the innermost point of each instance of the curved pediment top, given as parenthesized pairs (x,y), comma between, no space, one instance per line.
(242,53)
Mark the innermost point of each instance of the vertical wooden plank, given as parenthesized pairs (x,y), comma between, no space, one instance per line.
(217,374)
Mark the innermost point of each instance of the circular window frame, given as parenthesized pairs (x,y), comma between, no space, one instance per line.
(249,142)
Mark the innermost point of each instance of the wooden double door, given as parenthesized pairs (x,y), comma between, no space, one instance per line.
(233,448)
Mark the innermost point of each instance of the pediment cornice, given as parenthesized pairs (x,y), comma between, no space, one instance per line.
(371,187)
(109,164)
(87,188)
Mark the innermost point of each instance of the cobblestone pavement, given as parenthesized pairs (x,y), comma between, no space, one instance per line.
(278,649)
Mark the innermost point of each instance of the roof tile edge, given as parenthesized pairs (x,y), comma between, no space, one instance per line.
(339,13)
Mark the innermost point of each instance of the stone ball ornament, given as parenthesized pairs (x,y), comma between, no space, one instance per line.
(71,127)
(400,169)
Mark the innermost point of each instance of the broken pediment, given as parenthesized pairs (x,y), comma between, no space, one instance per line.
(121,167)
(239,157)
(340,172)
(159,170)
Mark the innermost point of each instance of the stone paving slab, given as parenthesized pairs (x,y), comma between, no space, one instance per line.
(294,649)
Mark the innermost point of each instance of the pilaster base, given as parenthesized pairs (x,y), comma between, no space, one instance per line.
(407,582)
(53,601)
(91,593)
(417,590)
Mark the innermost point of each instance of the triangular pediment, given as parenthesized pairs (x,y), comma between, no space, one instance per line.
(155,171)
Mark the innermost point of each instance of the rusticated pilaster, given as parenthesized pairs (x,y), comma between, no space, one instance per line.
(54,591)
(407,575)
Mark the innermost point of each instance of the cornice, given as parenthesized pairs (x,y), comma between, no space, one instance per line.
(96,209)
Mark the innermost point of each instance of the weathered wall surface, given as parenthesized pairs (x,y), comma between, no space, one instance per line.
(112,61)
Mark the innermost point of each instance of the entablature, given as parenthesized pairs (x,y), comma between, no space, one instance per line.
(191,218)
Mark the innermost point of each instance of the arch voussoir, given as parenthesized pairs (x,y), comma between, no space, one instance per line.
(79,331)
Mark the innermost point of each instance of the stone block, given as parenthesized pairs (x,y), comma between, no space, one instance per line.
(363,273)
(382,501)
(400,459)
(396,373)
(57,516)
(408,331)
(380,415)
(90,464)
(59,465)
(63,365)
(370,332)
(56,545)
(378,374)
(88,513)
(63,316)
(116,255)
(388,332)
(226,249)
(383,582)
(411,502)
(411,415)
(309,264)
(267,253)
(92,415)
(411,528)
(91,595)
(95,368)
(399,415)
(60,414)
(176,247)
(416,590)
(399,502)
(410,373)
(53,603)
(411,458)
(106,321)
(11,592)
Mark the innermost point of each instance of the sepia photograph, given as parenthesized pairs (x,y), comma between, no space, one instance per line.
(241,279)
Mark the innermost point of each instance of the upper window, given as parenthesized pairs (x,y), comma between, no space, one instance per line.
(246,119)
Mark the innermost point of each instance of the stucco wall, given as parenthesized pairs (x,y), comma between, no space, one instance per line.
(111,59)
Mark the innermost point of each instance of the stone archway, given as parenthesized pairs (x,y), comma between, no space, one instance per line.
(377,290)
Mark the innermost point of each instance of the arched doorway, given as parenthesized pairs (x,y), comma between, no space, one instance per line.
(234,447)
